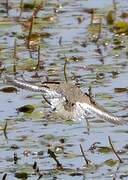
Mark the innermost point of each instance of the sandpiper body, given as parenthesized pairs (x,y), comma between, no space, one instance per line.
(68,100)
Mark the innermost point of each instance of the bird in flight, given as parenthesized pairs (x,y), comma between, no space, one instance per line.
(68,100)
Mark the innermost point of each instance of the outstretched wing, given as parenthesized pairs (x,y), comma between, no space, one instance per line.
(95,111)
(47,92)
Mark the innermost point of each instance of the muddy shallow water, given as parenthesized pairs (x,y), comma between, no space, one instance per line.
(30,135)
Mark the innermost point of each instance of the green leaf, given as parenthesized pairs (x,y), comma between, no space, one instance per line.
(35,115)
(111,162)
(110,17)
(8,89)
(21,175)
(104,150)
(121,27)
(120,90)
(26,108)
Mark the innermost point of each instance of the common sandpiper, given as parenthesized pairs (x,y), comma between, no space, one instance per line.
(68,100)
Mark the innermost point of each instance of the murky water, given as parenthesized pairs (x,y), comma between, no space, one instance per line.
(31,135)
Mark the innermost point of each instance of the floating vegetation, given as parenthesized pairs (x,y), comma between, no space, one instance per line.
(59,41)
(121,27)
(9,90)
(111,162)
(21,175)
(28,6)
(26,108)
(121,90)
(104,150)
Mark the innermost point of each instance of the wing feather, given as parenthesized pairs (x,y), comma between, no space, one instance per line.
(24,85)
(96,112)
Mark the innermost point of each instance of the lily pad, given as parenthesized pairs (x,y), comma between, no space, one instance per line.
(37,35)
(21,175)
(29,65)
(124,15)
(111,162)
(121,27)
(104,96)
(28,6)
(26,108)
(120,90)
(104,150)
(34,115)
(8,89)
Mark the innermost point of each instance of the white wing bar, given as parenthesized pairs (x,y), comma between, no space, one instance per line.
(24,85)
(92,110)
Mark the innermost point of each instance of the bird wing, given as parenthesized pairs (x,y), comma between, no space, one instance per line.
(53,97)
(95,111)
(49,92)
